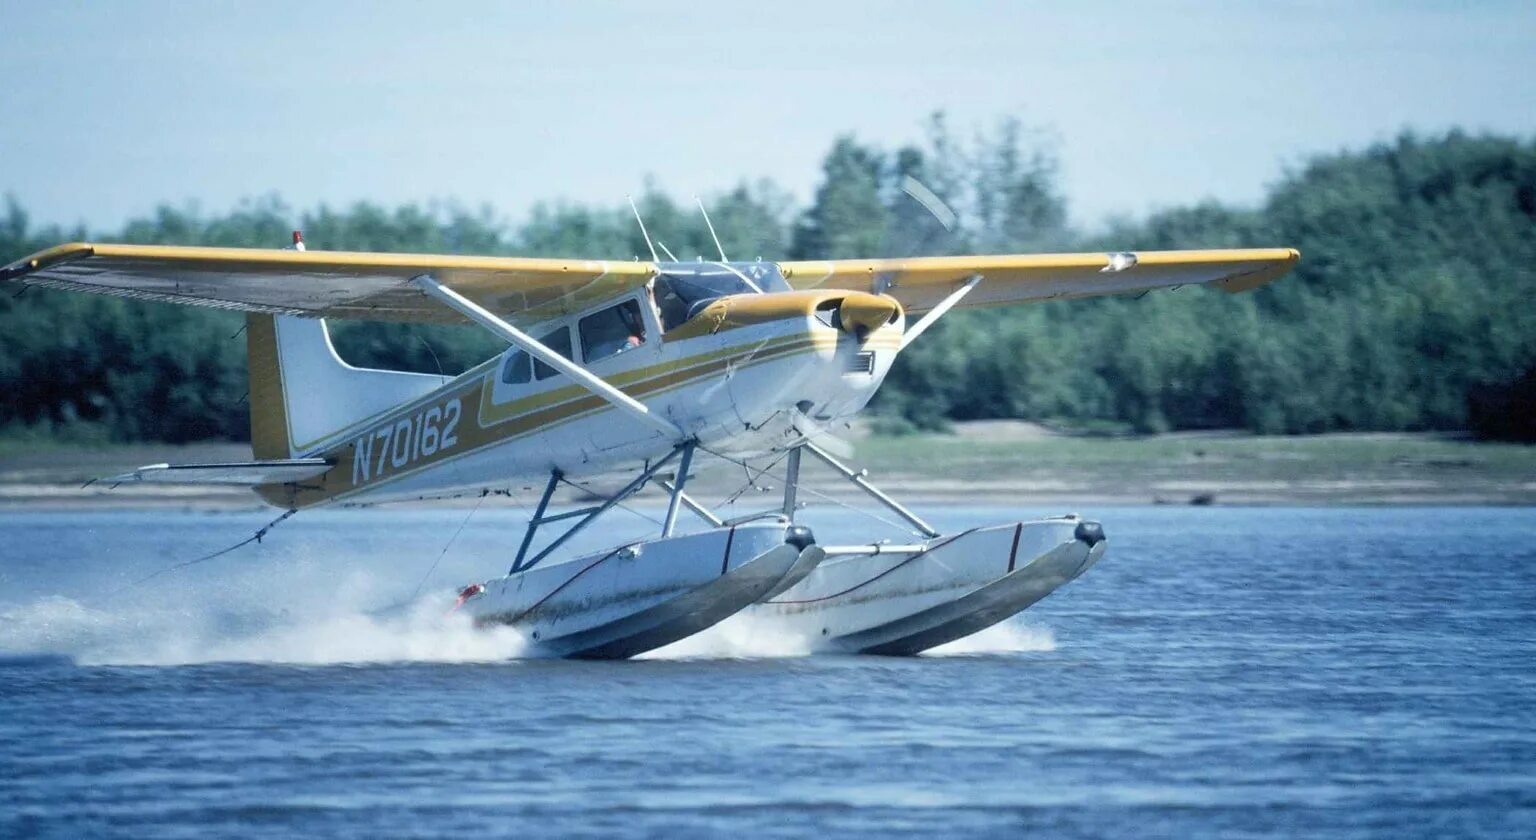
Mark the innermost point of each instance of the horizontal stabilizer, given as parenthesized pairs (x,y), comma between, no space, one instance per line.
(245,473)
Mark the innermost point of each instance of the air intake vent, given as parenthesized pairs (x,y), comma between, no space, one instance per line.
(862,363)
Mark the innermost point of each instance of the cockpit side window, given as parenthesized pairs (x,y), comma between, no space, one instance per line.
(683,289)
(558,341)
(612,331)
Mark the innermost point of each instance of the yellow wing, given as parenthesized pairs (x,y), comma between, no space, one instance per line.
(328,284)
(920,283)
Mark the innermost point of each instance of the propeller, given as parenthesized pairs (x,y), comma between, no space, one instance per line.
(931,237)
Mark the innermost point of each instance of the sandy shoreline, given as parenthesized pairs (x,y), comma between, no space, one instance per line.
(996,462)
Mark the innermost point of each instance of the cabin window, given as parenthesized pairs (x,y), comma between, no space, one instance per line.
(612,331)
(516,371)
(558,341)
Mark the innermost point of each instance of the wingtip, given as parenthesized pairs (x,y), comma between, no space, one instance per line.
(1275,270)
(42,259)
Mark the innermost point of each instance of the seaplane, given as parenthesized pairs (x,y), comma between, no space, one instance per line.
(621,376)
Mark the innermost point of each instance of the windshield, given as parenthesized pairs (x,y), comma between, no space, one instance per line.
(682,289)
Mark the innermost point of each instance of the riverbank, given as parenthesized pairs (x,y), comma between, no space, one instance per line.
(1002,462)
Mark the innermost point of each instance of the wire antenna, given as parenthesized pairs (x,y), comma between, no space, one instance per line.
(668,251)
(468,516)
(711,226)
(643,232)
(254,538)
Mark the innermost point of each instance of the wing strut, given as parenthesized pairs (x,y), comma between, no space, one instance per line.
(938,311)
(474,312)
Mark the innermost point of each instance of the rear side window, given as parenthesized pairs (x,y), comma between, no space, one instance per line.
(612,331)
(516,370)
(558,341)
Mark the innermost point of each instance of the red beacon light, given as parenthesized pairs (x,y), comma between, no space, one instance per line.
(298,240)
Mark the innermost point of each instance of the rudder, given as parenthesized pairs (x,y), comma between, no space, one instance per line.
(301,392)
(269,415)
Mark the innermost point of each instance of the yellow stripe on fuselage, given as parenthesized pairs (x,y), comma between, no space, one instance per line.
(492,413)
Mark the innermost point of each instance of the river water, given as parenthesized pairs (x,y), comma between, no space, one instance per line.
(1231,671)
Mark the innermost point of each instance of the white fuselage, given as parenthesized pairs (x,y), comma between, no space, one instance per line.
(742,390)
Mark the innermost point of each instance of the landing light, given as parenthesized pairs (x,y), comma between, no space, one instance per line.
(1119,262)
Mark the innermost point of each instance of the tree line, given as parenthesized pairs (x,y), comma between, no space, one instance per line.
(1410,310)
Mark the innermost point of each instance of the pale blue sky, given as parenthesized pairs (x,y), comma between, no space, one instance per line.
(107,109)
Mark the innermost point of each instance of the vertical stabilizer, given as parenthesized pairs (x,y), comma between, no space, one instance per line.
(302,393)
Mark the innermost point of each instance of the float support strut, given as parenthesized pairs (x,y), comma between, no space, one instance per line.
(791,482)
(670,522)
(691,503)
(536,521)
(858,479)
(629,490)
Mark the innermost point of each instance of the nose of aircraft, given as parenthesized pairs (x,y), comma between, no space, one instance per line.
(861,313)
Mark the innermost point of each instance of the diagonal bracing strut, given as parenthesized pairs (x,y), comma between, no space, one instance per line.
(792,482)
(863,484)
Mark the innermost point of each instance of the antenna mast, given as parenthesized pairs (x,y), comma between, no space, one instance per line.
(711,225)
(647,236)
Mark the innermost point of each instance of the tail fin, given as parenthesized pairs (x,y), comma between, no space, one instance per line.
(303,393)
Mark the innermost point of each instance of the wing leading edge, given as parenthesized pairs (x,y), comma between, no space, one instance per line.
(328,284)
(921,283)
